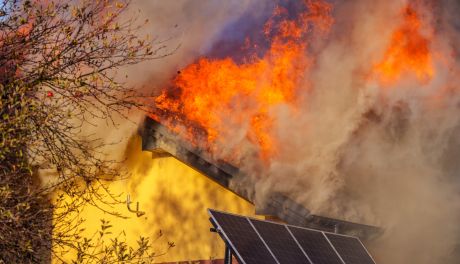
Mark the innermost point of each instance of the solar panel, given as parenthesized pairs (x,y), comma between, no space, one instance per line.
(315,244)
(245,241)
(279,240)
(254,241)
(350,249)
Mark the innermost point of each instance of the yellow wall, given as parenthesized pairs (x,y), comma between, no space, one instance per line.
(175,198)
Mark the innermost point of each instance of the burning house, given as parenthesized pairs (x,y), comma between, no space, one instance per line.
(159,140)
(279,207)
(339,116)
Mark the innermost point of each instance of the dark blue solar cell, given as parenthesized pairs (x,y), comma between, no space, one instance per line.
(280,241)
(350,249)
(315,244)
(254,241)
(244,238)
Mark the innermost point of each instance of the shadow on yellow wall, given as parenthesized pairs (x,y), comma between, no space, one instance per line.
(174,198)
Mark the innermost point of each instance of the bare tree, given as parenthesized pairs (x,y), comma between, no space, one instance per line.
(58,67)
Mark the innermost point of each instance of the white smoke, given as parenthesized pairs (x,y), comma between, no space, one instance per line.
(187,29)
(378,155)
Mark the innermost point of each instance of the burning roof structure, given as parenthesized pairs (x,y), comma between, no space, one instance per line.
(322,111)
(161,141)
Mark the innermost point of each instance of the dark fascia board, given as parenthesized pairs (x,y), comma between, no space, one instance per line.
(160,140)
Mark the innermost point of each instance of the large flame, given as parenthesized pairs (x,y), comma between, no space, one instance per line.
(408,52)
(213,93)
(346,153)
(212,98)
(340,149)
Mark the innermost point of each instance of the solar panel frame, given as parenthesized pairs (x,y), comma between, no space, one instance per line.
(279,245)
(325,233)
(263,240)
(298,244)
(367,251)
(318,249)
(239,255)
(359,255)
(288,227)
(225,238)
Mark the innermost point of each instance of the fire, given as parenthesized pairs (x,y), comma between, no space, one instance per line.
(210,94)
(408,52)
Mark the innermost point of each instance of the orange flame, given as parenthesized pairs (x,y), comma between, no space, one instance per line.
(408,52)
(216,95)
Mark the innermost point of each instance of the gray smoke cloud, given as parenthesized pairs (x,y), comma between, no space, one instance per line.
(380,155)
(187,29)
(355,150)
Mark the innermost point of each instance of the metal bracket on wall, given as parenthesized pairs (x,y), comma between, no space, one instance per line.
(137,212)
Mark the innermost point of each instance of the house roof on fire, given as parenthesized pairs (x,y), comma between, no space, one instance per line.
(161,141)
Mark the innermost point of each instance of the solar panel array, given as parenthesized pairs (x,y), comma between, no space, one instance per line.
(255,241)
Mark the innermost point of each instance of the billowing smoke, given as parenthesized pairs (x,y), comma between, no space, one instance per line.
(361,142)
(186,29)
(378,154)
